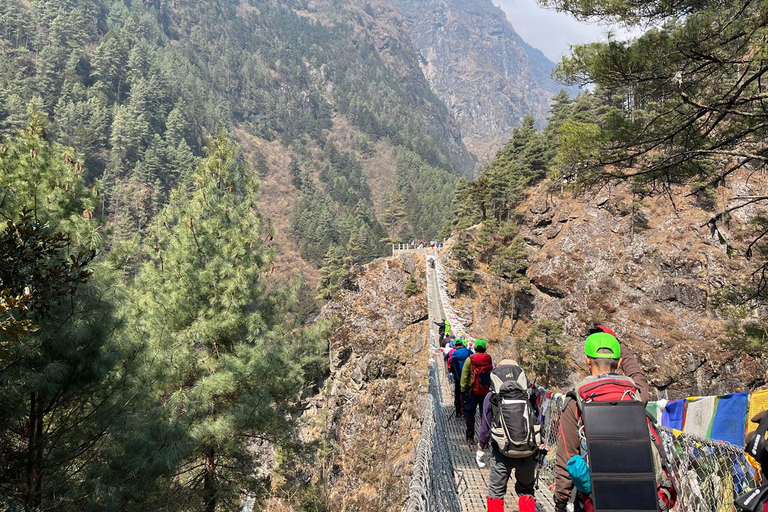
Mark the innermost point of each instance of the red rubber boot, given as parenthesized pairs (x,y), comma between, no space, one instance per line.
(526,503)
(495,505)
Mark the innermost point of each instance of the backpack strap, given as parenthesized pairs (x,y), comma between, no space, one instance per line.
(572,395)
(755,446)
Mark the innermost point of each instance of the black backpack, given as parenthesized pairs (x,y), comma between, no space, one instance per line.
(513,430)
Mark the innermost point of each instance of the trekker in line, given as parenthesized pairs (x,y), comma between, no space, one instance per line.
(605,358)
(510,427)
(475,384)
(447,350)
(456,361)
(441,332)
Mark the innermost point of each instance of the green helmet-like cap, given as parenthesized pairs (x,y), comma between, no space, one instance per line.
(480,343)
(602,340)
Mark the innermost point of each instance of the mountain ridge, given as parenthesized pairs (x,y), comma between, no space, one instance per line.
(489,77)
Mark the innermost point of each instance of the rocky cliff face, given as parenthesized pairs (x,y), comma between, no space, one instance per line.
(379,30)
(480,67)
(368,413)
(648,268)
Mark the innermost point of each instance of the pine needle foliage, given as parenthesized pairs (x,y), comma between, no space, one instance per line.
(223,370)
(543,352)
(48,180)
(55,372)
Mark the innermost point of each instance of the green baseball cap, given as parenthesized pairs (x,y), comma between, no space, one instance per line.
(601,340)
(480,343)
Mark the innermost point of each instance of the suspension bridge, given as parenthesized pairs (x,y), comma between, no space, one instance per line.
(446,478)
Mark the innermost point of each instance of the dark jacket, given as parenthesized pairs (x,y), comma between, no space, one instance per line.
(458,358)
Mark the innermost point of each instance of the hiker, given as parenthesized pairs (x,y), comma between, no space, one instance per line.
(441,332)
(447,350)
(447,327)
(475,384)
(605,357)
(456,361)
(509,426)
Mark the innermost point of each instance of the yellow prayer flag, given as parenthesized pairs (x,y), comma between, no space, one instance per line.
(758,401)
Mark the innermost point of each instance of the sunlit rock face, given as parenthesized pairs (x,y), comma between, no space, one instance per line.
(481,68)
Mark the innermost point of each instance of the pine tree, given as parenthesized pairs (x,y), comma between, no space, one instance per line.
(48,178)
(543,353)
(55,380)
(509,263)
(224,370)
(411,288)
(332,271)
(394,217)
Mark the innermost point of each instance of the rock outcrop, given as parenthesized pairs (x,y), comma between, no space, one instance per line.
(649,268)
(368,414)
(481,68)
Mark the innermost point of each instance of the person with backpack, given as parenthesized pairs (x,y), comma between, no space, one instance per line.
(456,360)
(441,332)
(605,357)
(509,426)
(475,384)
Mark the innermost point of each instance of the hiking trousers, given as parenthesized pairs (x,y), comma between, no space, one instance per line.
(474,402)
(457,395)
(501,470)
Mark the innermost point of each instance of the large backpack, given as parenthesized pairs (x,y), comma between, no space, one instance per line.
(619,388)
(482,366)
(513,426)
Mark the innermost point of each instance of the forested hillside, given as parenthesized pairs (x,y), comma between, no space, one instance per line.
(321,93)
(166,167)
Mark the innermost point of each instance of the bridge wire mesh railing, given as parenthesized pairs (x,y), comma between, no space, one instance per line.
(708,474)
(433,487)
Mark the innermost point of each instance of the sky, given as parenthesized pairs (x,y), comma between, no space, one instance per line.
(553,32)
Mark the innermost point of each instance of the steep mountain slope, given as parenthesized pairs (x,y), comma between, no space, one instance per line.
(367,415)
(650,269)
(480,67)
(327,98)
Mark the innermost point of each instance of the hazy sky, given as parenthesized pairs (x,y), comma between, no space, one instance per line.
(549,31)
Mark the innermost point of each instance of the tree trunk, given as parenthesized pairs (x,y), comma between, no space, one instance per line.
(501,316)
(31,447)
(32,497)
(209,488)
(39,458)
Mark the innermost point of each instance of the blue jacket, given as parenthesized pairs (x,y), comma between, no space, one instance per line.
(457,360)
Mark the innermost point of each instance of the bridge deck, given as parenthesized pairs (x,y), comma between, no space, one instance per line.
(471,481)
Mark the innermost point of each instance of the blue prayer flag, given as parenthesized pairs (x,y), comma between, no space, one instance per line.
(673,414)
(730,417)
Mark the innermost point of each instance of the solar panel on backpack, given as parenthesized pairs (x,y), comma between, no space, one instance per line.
(620,457)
